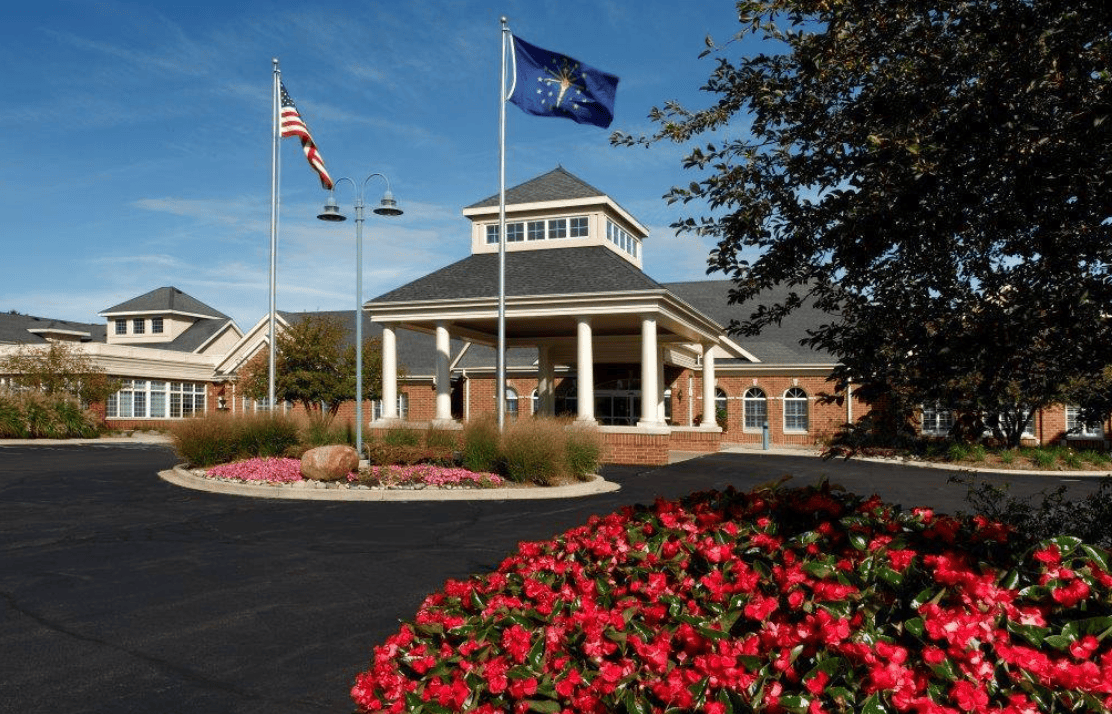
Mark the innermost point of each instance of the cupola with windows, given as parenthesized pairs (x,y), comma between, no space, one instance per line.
(556,210)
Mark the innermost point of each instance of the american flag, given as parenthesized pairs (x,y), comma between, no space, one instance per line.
(291,124)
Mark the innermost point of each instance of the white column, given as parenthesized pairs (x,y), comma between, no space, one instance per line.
(708,387)
(546,381)
(661,386)
(650,363)
(585,377)
(389,373)
(443,377)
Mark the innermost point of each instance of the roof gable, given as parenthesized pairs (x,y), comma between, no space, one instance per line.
(165,300)
(556,185)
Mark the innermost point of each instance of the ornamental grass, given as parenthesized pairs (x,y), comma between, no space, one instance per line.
(809,601)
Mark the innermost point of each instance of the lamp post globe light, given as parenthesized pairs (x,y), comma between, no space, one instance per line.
(386,207)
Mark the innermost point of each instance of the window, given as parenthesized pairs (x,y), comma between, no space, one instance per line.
(577,227)
(668,406)
(567,397)
(756,409)
(795,410)
(153,399)
(121,327)
(622,238)
(721,407)
(511,403)
(515,232)
(1079,429)
(536,230)
(936,420)
(403,407)
(156,325)
(557,229)
(492,234)
(535,402)
(138,326)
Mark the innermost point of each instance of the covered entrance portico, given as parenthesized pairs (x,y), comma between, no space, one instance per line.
(618,345)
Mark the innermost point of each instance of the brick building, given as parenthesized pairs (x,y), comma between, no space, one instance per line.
(589,335)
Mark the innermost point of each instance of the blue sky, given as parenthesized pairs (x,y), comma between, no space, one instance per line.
(138,140)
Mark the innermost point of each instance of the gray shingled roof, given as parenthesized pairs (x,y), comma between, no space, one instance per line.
(189,341)
(416,350)
(553,271)
(775,344)
(168,299)
(556,185)
(484,357)
(16,329)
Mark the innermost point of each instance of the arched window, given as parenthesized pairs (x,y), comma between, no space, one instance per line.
(511,403)
(535,404)
(721,408)
(756,409)
(795,410)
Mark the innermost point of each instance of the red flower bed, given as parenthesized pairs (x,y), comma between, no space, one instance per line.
(804,601)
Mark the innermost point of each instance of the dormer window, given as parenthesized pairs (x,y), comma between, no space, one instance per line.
(121,327)
(156,325)
(138,326)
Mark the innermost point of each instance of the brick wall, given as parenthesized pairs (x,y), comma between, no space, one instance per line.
(625,447)
(694,439)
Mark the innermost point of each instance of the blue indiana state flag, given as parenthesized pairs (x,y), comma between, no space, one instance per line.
(549,84)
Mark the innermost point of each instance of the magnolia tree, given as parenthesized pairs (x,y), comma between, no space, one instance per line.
(314,366)
(936,176)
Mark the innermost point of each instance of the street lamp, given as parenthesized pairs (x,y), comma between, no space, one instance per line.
(386,207)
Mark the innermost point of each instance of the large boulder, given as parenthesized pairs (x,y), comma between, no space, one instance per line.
(329,463)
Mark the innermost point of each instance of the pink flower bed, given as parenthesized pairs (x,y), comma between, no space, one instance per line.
(280,470)
(430,475)
(801,601)
(274,470)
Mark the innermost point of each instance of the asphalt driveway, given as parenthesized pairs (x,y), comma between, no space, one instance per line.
(122,593)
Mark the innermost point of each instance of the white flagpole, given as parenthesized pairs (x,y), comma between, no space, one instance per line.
(273,230)
(500,384)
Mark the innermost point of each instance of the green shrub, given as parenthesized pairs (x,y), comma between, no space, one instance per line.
(583,449)
(12,425)
(957,452)
(379,453)
(534,450)
(1095,458)
(402,436)
(1071,459)
(1044,458)
(439,438)
(1047,514)
(322,432)
(269,436)
(1007,457)
(481,449)
(35,415)
(210,440)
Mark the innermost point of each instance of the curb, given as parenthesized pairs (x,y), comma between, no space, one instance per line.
(179,476)
(145,439)
(901,461)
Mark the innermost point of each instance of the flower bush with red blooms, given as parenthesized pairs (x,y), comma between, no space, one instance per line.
(805,601)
